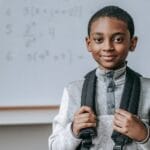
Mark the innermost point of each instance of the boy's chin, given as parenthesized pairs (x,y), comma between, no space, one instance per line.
(110,66)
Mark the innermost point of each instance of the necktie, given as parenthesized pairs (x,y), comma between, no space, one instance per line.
(110,93)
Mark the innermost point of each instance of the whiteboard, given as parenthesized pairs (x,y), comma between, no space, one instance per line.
(42,46)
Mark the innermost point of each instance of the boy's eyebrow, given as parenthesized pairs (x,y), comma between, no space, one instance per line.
(118,33)
(97,33)
(114,34)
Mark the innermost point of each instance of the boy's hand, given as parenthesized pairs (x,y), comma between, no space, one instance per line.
(129,125)
(83,118)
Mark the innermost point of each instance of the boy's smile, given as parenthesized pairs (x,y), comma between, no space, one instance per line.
(109,42)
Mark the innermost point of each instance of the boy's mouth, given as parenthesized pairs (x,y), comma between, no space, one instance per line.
(108,57)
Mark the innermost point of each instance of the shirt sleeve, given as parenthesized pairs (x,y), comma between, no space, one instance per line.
(145,144)
(62,137)
(144,108)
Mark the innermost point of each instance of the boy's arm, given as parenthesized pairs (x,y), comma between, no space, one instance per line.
(145,144)
(131,126)
(62,137)
(144,110)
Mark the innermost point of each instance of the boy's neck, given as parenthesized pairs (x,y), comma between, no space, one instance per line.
(107,70)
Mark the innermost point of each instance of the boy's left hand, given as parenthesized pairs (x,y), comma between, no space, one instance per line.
(129,125)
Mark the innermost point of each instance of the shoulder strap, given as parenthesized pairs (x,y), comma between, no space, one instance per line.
(88,99)
(89,90)
(129,102)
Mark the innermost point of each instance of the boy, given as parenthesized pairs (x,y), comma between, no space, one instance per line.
(110,38)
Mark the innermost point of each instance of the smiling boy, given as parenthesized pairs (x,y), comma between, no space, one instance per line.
(110,39)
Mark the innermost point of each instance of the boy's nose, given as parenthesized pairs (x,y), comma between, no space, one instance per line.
(108,46)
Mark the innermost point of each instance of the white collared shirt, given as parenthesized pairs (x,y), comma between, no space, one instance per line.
(62,137)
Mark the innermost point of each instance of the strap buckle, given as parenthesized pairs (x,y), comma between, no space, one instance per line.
(118,147)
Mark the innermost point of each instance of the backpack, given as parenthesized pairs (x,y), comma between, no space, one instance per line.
(129,102)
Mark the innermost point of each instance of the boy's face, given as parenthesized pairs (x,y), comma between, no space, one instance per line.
(109,42)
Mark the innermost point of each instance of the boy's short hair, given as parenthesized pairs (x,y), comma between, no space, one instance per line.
(114,12)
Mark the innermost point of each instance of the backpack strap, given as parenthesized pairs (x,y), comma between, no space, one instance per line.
(130,103)
(88,99)
(89,90)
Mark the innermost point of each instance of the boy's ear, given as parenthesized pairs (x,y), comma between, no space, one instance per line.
(88,43)
(133,43)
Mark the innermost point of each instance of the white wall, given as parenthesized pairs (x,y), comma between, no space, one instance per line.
(29,137)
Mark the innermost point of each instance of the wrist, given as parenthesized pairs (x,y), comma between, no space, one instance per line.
(73,132)
(146,135)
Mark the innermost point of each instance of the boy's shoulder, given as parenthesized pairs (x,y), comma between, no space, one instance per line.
(145,90)
(76,84)
(145,82)
(79,83)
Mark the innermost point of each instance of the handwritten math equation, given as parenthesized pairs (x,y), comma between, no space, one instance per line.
(32,25)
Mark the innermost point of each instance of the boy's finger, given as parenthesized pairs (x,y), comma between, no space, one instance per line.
(84,109)
(119,117)
(86,125)
(123,112)
(122,130)
(118,123)
(85,117)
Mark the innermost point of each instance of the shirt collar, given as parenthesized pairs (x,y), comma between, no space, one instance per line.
(118,73)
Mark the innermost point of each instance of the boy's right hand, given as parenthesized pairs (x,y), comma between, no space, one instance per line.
(83,118)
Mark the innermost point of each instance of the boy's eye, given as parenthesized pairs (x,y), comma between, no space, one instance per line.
(118,39)
(98,40)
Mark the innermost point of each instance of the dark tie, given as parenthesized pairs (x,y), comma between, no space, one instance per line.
(110,92)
